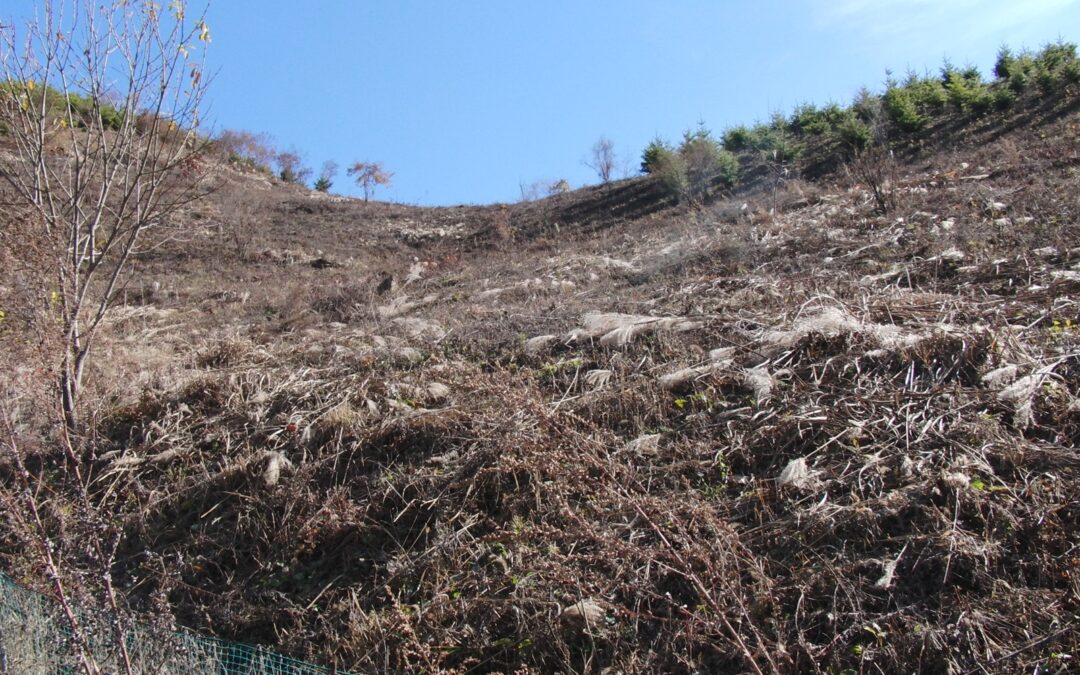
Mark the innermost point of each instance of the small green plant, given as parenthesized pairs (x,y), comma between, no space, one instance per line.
(692,171)
(737,138)
(706,162)
(722,465)
(711,491)
(877,632)
(550,370)
(517,580)
(654,155)
(1004,98)
(811,120)
(966,90)
(867,107)
(901,109)
(1058,328)
(854,136)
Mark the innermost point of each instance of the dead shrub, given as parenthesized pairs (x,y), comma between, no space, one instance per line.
(243,212)
(224,353)
(342,302)
(877,170)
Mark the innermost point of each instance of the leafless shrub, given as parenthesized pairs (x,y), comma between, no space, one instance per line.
(531,192)
(291,167)
(343,302)
(239,146)
(602,159)
(243,211)
(876,168)
(504,229)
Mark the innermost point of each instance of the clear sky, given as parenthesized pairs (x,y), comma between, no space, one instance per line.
(464,101)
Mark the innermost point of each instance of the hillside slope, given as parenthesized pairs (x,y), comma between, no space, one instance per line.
(606,433)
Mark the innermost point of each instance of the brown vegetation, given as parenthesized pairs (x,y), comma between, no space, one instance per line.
(369,175)
(784,432)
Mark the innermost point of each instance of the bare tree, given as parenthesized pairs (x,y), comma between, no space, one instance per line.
(241,212)
(291,167)
(543,188)
(369,175)
(602,159)
(247,148)
(100,103)
(326,176)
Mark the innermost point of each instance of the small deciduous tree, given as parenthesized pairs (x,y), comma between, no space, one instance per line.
(100,104)
(291,167)
(369,175)
(326,176)
(241,212)
(99,109)
(245,148)
(602,159)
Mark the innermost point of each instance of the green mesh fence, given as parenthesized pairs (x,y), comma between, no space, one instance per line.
(34,638)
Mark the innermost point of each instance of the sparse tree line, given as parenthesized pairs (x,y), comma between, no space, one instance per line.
(256,152)
(240,148)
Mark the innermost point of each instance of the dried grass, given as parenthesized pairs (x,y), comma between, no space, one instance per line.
(852,449)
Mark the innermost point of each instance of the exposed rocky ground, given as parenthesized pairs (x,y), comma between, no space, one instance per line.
(782,432)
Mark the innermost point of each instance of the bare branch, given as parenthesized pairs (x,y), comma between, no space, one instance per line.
(101,103)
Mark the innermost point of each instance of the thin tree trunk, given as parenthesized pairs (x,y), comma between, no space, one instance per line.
(69,396)
(71,383)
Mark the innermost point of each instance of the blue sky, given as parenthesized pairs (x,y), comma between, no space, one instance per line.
(465,101)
